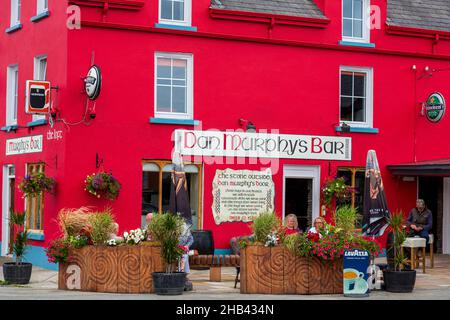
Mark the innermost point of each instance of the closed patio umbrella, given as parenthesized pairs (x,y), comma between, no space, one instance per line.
(179,198)
(376,211)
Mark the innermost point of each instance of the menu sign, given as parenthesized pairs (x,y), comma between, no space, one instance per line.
(356,276)
(240,195)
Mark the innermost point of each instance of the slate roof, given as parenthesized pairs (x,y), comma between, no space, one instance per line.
(300,8)
(423,14)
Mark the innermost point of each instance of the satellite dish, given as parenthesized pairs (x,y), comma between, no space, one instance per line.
(93,82)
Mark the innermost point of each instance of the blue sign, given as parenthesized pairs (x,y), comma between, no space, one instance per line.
(356,275)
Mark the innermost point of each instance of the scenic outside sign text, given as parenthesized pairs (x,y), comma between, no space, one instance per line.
(262,145)
(24,145)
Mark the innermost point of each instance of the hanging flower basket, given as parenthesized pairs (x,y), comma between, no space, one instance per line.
(102,184)
(336,188)
(36,183)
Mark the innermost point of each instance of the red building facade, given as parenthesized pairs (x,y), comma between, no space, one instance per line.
(204,65)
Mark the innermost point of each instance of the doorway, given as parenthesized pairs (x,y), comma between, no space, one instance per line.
(431,190)
(8,188)
(301,193)
(446,217)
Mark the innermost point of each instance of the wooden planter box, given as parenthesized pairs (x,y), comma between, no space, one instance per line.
(275,270)
(122,269)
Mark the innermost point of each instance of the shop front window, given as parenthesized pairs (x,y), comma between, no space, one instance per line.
(156,181)
(355,178)
(34,206)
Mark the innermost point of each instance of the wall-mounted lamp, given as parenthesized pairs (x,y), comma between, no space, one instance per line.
(249,126)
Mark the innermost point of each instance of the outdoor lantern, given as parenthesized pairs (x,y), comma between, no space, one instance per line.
(251,127)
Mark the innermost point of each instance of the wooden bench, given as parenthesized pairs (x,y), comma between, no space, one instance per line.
(214,263)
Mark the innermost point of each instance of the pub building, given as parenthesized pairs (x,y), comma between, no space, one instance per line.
(266,101)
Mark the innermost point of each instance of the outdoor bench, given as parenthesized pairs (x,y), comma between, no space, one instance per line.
(214,263)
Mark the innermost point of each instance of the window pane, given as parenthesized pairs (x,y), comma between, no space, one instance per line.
(346,109)
(179,69)
(164,68)
(357,29)
(346,83)
(166,9)
(179,83)
(357,9)
(163,99)
(348,28)
(179,100)
(178,10)
(360,85)
(16,93)
(347,11)
(166,82)
(150,193)
(166,182)
(42,69)
(359,109)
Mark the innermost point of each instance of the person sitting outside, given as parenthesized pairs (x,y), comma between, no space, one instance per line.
(420,221)
(318,225)
(291,225)
(113,235)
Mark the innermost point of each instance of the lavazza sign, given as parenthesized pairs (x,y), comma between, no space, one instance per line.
(262,145)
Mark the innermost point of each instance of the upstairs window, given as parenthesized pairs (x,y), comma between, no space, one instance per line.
(355,20)
(42,6)
(40,73)
(12,95)
(173,86)
(356,105)
(15,12)
(176,12)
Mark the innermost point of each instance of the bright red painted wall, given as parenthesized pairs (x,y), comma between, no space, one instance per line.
(292,88)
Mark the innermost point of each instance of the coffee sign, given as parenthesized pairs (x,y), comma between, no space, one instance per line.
(37,97)
(435,107)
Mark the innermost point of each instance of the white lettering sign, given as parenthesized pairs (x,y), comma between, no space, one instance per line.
(262,145)
(240,195)
(24,145)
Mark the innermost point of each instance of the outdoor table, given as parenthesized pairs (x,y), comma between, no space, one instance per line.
(414,243)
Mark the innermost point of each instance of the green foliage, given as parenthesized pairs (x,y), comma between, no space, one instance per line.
(102,224)
(18,218)
(298,244)
(265,224)
(20,245)
(167,229)
(4,283)
(345,218)
(335,188)
(36,183)
(396,222)
(78,241)
(102,184)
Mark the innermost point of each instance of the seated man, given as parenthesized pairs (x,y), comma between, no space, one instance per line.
(420,221)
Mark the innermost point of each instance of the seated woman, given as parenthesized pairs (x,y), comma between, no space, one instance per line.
(291,225)
(114,233)
(318,224)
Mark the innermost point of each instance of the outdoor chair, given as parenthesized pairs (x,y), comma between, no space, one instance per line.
(414,243)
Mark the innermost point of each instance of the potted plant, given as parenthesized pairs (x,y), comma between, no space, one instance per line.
(167,229)
(398,278)
(36,183)
(18,272)
(102,184)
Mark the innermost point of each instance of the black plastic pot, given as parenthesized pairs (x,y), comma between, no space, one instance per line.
(17,273)
(169,284)
(399,281)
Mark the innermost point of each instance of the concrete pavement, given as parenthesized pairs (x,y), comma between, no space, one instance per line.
(433,285)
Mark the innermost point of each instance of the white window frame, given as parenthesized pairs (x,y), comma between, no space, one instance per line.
(369,96)
(42,6)
(187,22)
(15,12)
(189,115)
(365,23)
(12,94)
(36,76)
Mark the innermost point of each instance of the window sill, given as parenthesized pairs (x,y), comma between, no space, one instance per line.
(14,28)
(358,130)
(36,123)
(174,26)
(40,16)
(36,235)
(9,128)
(357,44)
(186,122)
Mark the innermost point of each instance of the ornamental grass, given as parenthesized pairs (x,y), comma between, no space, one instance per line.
(73,222)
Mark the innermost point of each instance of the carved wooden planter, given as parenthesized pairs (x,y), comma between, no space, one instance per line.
(122,269)
(275,270)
